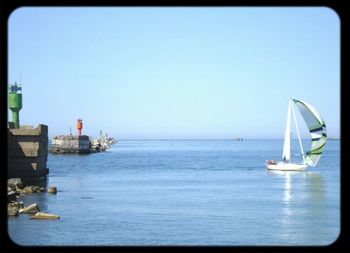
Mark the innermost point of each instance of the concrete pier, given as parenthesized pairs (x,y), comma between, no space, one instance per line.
(83,144)
(63,144)
(27,152)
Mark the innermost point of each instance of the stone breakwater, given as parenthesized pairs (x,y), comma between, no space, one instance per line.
(16,189)
(101,144)
(83,144)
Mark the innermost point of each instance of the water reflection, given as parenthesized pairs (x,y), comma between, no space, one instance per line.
(315,187)
(287,193)
(316,196)
(288,213)
(313,182)
(302,191)
(316,212)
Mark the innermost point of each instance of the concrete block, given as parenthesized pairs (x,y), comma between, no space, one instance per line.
(33,208)
(27,151)
(46,216)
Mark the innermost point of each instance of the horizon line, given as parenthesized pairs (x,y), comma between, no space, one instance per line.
(208,139)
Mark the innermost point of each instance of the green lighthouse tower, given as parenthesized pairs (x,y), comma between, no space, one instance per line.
(15,102)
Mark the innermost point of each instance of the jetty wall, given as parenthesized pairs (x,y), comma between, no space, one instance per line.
(70,144)
(27,152)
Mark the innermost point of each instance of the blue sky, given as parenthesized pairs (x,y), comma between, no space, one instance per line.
(193,72)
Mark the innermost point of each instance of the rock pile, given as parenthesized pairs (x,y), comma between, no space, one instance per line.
(65,137)
(13,208)
(15,189)
(101,144)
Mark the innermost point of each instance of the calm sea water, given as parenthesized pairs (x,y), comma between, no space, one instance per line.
(185,193)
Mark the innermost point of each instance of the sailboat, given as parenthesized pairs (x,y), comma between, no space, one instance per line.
(318,133)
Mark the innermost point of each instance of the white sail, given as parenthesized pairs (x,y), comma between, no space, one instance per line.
(286,146)
(299,138)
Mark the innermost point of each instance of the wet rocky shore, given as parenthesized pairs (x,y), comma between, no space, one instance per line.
(16,189)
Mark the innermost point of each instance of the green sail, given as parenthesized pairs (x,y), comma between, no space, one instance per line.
(317,129)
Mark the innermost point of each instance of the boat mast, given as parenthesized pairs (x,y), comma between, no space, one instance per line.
(300,143)
(286,145)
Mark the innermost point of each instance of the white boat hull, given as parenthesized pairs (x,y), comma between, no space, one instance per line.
(286,166)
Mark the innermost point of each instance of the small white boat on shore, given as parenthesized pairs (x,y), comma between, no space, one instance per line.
(317,129)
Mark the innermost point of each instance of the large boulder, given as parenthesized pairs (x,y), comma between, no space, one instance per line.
(15,183)
(13,208)
(11,195)
(11,211)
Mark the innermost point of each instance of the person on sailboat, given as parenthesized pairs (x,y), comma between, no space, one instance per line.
(269,162)
(284,159)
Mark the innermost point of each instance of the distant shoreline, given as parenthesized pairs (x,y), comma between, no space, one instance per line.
(253,139)
(234,140)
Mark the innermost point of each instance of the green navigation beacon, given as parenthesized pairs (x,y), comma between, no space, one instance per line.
(15,102)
